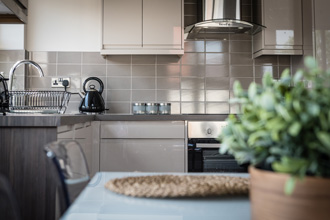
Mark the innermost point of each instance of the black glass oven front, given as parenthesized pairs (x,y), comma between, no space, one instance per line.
(204,156)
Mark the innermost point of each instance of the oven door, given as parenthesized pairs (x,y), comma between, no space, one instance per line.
(204,156)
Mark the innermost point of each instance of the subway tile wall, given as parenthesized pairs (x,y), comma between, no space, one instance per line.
(199,82)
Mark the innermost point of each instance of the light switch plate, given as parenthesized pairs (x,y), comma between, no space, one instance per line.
(57,82)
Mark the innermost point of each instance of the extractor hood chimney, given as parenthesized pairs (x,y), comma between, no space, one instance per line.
(221,16)
(13,11)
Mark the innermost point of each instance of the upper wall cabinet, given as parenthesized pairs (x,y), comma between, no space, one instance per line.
(142,27)
(322,33)
(283,32)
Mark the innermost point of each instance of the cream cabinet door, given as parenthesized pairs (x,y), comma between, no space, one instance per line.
(122,24)
(162,24)
(144,155)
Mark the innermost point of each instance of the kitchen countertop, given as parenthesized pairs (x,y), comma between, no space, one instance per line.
(54,120)
(42,120)
(196,117)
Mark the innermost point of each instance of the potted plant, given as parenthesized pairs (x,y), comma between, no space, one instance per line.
(283,132)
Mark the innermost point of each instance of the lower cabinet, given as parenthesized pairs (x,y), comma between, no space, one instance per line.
(83,134)
(126,146)
(145,146)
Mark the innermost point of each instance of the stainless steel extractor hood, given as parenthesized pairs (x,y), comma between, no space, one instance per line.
(221,16)
(13,11)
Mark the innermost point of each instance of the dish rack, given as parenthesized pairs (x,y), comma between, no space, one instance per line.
(38,101)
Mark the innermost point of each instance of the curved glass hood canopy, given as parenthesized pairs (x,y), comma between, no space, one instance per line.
(221,16)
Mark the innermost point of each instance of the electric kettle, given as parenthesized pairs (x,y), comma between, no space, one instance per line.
(4,95)
(92,101)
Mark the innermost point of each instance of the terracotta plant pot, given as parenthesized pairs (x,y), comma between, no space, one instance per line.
(310,199)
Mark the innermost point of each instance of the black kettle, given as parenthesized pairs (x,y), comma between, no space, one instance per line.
(92,101)
(4,95)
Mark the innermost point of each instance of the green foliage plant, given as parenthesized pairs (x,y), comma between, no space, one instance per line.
(283,125)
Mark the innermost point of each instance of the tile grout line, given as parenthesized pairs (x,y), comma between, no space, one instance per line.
(230,70)
(81,68)
(156,77)
(131,74)
(205,109)
(106,82)
(56,61)
(180,91)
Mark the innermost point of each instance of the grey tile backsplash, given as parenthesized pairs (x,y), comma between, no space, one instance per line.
(199,82)
(7,59)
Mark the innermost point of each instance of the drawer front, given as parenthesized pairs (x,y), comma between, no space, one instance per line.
(144,155)
(80,130)
(142,129)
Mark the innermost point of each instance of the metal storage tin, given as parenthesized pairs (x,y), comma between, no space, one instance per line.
(139,108)
(152,108)
(164,108)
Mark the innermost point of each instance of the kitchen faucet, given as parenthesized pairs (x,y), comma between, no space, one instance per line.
(17,64)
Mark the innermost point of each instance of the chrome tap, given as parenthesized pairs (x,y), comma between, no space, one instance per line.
(17,64)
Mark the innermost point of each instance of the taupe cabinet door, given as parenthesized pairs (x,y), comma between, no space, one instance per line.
(146,146)
(283,32)
(162,22)
(322,33)
(122,23)
(145,155)
(142,27)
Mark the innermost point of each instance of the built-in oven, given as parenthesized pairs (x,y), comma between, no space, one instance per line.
(203,148)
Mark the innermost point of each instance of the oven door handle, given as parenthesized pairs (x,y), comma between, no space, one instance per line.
(208,145)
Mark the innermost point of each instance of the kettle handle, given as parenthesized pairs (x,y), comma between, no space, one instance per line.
(96,79)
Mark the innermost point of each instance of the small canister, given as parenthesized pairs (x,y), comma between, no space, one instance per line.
(139,108)
(164,108)
(152,108)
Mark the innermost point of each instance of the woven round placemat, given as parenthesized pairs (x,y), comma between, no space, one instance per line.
(162,186)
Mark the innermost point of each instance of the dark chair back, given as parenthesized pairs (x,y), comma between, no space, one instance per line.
(8,204)
(70,164)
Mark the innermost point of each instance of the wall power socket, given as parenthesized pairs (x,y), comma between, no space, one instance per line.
(57,82)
